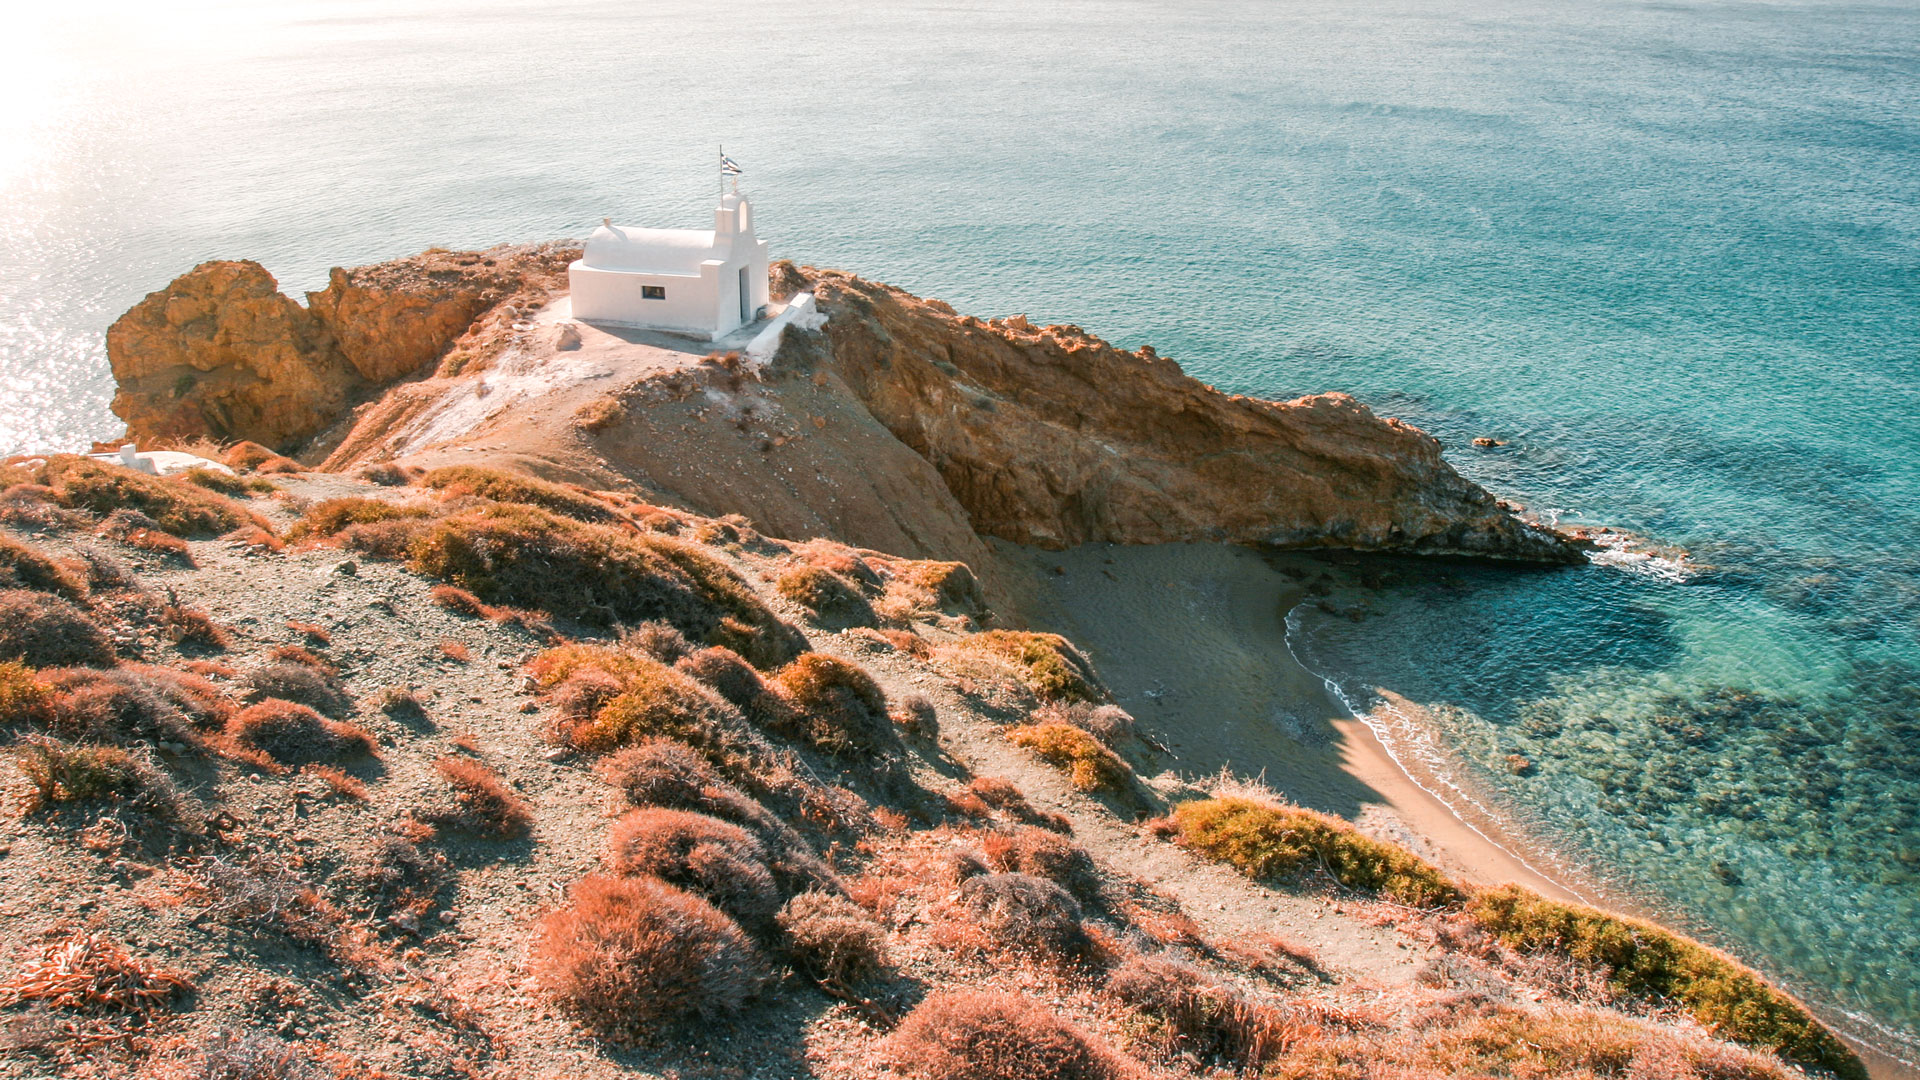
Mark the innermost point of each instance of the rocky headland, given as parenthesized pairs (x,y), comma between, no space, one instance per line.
(577,702)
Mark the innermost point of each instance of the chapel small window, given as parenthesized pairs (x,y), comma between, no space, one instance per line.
(653,292)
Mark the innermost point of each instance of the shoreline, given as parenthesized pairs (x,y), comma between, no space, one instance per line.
(1192,640)
(1244,701)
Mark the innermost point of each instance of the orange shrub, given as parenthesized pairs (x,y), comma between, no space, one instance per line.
(631,956)
(1043,854)
(1026,912)
(987,1035)
(483,803)
(837,708)
(192,627)
(1090,766)
(24,567)
(652,700)
(832,937)
(456,651)
(715,859)
(1048,663)
(294,734)
(43,631)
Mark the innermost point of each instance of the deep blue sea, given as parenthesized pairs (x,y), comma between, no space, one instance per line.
(1669,251)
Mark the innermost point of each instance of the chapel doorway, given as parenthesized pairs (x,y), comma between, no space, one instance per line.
(746,298)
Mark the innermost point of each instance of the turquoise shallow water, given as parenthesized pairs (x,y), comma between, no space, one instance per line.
(1670,251)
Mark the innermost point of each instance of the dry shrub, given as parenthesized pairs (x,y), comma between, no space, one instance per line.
(457,600)
(315,687)
(1090,766)
(32,506)
(293,734)
(300,654)
(653,700)
(375,526)
(503,487)
(192,628)
(386,474)
(1048,663)
(1002,794)
(915,715)
(987,1035)
(1473,1036)
(832,938)
(657,639)
(661,772)
(26,700)
(255,540)
(715,859)
(313,632)
(23,567)
(338,782)
(599,414)
(1270,841)
(1202,1015)
(252,1054)
(1111,724)
(526,556)
(1026,912)
(137,530)
(62,772)
(252,457)
(1650,962)
(210,669)
(135,701)
(456,651)
(837,708)
(93,974)
(1043,854)
(104,573)
(392,872)
(831,598)
(227,483)
(179,508)
(631,956)
(43,631)
(483,803)
(734,679)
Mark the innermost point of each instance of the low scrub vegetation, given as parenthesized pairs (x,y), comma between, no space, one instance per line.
(715,859)
(482,801)
(43,631)
(311,684)
(26,700)
(227,483)
(1048,664)
(1269,841)
(516,488)
(1198,1014)
(831,597)
(61,772)
(86,972)
(1646,961)
(832,938)
(1025,912)
(608,698)
(178,507)
(986,1035)
(24,567)
(835,707)
(529,557)
(631,956)
(1089,765)
(293,734)
(1041,853)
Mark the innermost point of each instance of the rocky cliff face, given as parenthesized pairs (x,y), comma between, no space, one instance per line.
(1050,436)
(221,352)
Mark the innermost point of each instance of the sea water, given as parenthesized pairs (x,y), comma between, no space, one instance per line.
(1668,252)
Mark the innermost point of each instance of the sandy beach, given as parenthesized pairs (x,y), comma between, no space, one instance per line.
(1191,638)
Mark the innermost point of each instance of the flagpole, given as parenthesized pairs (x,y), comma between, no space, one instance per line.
(723,172)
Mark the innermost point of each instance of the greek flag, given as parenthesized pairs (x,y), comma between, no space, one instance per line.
(728,166)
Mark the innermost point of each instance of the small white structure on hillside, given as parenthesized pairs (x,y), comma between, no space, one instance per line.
(689,281)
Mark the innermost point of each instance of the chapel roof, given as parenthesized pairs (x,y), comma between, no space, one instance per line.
(650,251)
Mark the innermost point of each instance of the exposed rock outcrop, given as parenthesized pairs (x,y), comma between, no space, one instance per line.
(221,352)
(1050,436)
(901,426)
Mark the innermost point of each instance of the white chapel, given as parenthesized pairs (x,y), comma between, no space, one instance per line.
(688,281)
